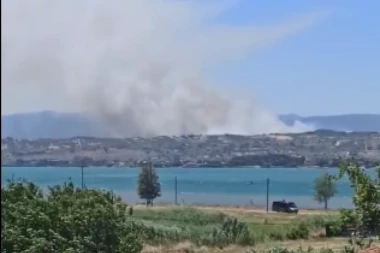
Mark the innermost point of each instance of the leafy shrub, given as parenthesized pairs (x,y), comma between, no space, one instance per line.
(66,219)
(232,231)
(335,228)
(299,232)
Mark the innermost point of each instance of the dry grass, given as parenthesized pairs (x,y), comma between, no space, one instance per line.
(187,247)
(374,249)
(242,210)
(333,243)
(253,214)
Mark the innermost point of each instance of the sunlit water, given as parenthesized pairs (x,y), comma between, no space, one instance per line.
(213,186)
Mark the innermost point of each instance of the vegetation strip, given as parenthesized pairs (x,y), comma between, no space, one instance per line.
(69,219)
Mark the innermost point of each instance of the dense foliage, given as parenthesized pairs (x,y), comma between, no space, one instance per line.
(66,219)
(366,198)
(267,160)
(324,188)
(148,185)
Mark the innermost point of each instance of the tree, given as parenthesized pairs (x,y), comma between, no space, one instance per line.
(366,197)
(66,219)
(324,188)
(149,186)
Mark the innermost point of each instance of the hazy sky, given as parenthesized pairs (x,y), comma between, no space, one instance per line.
(332,67)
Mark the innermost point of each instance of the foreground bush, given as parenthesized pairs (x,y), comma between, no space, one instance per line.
(66,219)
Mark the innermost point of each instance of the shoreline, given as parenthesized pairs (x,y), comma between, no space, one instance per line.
(171,167)
(179,167)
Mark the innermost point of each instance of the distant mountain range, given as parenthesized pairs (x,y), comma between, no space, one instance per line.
(47,125)
(344,122)
(65,125)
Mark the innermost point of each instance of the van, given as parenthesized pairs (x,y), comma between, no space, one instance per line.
(284,207)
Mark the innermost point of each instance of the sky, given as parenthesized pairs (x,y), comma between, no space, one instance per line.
(332,67)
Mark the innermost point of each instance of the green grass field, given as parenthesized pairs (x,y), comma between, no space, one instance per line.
(223,227)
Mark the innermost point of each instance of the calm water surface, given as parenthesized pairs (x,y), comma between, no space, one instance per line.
(224,186)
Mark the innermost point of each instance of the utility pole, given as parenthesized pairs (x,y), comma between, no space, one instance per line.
(82,167)
(268,195)
(175,190)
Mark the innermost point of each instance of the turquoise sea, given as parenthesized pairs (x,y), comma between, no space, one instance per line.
(212,186)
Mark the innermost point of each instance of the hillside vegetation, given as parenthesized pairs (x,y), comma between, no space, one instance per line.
(70,219)
(319,148)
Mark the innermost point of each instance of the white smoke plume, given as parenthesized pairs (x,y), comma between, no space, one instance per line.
(137,66)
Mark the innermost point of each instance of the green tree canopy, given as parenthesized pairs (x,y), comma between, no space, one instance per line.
(66,219)
(149,186)
(366,197)
(324,188)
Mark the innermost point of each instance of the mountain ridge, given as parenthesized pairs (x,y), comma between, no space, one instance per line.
(344,122)
(50,124)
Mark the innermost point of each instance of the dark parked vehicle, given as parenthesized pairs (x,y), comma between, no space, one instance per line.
(284,207)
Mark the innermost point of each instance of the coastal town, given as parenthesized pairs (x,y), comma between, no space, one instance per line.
(322,148)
